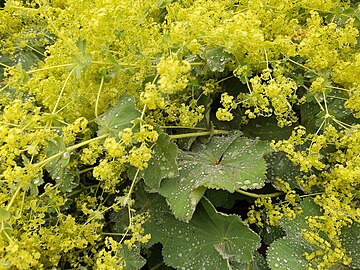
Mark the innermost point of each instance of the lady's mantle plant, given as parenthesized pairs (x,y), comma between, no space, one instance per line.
(179,134)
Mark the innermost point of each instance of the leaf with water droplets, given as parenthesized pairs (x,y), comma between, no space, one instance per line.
(294,227)
(266,128)
(258,263)
(118,117)
(227,163)
(280,166)
(211,240)
(162,164)
(132,258)
(351,241)
(58,167)
(217,58)
(288,253)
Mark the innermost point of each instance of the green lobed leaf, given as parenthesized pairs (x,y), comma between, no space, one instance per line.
(118,117)
(211,240)
(279,166)
(258,263)
(5,230)
(287,253)
(294,227)
(217,58)
(266,128)
(162,164)
(227,163)
(4,214)
(271,233)
(133,259)
(155,258)
(351,241)
(58,167)
(222,198)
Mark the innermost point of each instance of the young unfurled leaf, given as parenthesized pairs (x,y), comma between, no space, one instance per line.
(211,240)
(82,60)
(81,44)
(24,77)
(227,163)
(118,117)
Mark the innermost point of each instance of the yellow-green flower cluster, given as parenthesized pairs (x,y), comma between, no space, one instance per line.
(173,74)
(265,211)
(338,180)
(323,45)
(271,94)
(224,114)
(151,96)
(137,230)
(133,148)
(78,127)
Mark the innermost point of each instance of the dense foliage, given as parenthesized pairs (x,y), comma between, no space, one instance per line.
(207,134)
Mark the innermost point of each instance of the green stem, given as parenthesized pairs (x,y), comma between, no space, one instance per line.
(224,79)
(3,88)
(51,67)
(197,134)
(35,50)
(312,194)
(62,90)
(197,64)
(4,65)
(69,149)
(85,170)
(13,198)
(157,266)
(81,190)
(184,127)
(254,195)
(114,234)
(120,64)
(131,187)
(98,97)
(301,65)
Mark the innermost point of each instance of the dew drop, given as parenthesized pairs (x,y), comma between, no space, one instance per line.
(66,155)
